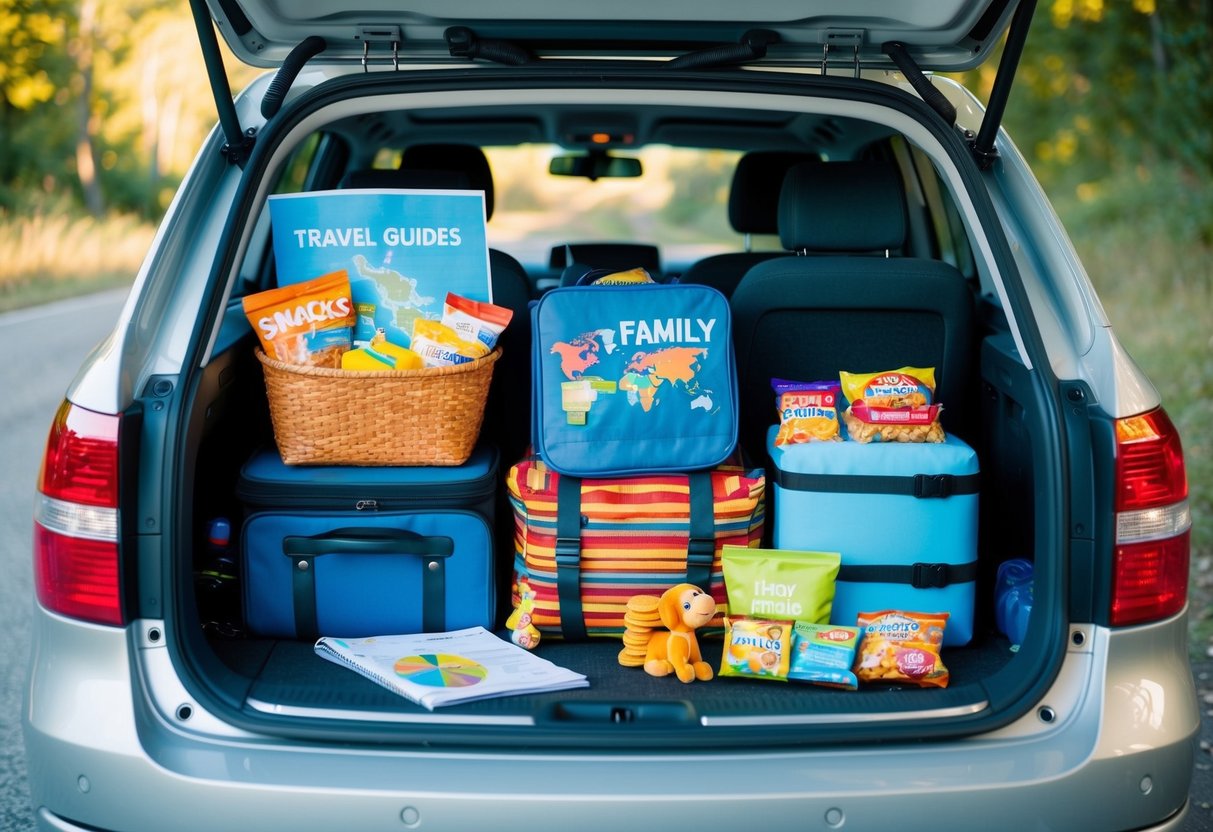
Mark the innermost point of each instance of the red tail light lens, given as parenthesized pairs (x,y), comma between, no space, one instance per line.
(1153,521)
(76,569)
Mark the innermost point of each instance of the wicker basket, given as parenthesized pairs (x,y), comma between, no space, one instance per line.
(325,416)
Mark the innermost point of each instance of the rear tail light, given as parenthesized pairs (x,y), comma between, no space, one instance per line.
(1153,521)
(76,518)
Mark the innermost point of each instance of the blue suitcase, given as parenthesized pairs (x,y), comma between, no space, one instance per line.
(903,517)
(353,551)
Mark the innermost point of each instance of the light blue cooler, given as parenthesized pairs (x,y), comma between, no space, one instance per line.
(903,516)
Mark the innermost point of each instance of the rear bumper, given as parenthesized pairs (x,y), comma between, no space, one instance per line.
(1116,754)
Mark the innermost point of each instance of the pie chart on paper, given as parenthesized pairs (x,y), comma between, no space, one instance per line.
(440,670)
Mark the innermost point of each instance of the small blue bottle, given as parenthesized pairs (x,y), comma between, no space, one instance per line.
(1013,591)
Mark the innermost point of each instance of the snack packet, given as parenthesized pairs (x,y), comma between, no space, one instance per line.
(892,406)
(440,346)
(756,648)
(823,654)
(780,583)
(902,647)
(808,411)
(308,324)
(475,320)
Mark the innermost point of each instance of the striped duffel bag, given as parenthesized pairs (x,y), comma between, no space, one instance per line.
(583,547)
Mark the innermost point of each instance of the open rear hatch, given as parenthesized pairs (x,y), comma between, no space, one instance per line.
(280,685)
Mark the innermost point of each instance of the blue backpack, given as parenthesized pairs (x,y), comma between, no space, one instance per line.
(634,379)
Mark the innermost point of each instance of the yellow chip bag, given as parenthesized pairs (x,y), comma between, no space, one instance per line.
(440,346)
(902,647)
(756,648)
(308,323)
(892,406)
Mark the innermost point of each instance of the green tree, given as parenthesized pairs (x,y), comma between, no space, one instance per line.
(1112,102)
(34,76)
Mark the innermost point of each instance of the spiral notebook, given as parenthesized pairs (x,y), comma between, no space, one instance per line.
(436,669)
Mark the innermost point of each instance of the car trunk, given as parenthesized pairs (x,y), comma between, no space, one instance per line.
(280,686)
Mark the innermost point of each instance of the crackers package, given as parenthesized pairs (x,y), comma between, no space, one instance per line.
(892,406)
(902,647)
(756,648)
(309,324)
(823,654)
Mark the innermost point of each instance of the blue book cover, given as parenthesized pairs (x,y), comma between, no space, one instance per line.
(403,250)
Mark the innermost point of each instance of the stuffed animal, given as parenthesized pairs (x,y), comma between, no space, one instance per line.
(683,609)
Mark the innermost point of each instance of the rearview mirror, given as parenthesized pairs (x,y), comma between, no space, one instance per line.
(594,165)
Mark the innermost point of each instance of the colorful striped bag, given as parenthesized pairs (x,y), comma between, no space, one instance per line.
(583,547)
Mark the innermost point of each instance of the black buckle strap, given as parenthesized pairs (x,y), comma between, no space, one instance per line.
(930,576)
(932,485)
(568,558)
(919,575)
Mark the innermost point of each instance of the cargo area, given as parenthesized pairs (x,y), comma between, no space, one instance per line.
(994,404)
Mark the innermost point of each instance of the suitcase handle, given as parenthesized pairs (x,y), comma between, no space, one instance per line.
(362,541)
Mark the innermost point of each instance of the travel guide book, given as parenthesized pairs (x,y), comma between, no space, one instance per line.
(403,251)
(435,669)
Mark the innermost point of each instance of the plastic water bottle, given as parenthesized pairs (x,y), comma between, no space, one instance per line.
(217,581)
(1013,590)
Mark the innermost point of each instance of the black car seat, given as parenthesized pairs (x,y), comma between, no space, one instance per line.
(753,209)
(850,304)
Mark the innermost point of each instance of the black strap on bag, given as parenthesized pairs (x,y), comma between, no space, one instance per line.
(303,551)
(568,557)
(921,486)
(917,575)
(701,546)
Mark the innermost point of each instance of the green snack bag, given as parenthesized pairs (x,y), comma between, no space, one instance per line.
(780,583)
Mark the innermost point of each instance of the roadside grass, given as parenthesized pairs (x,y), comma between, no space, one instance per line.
(46,256)
(1159,298)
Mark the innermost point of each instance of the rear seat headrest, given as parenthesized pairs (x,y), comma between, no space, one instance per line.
(754,194)
(466,158)
(842,207)
(449,180)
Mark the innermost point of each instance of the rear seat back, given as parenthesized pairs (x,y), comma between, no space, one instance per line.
(808,317)
(753,209)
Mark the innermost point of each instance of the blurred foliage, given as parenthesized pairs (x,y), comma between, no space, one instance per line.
(102,103)
(1112,106)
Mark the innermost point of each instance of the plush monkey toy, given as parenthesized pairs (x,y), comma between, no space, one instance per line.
(683,609)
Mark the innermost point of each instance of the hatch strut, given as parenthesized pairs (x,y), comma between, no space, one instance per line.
(275,94)
(753,45)
(464,43)
(239,142)
(928,91)
(1017,35)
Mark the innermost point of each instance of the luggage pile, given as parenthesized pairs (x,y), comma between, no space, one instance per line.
(376,512)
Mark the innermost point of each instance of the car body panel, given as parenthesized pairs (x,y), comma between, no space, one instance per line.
(91,740)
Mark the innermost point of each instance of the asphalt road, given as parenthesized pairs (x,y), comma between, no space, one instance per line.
(44,348)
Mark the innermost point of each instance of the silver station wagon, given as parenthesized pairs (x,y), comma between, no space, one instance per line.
(857,211)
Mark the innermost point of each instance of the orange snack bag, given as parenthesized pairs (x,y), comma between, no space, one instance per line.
(309,323)
(808,411)
(902,647)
